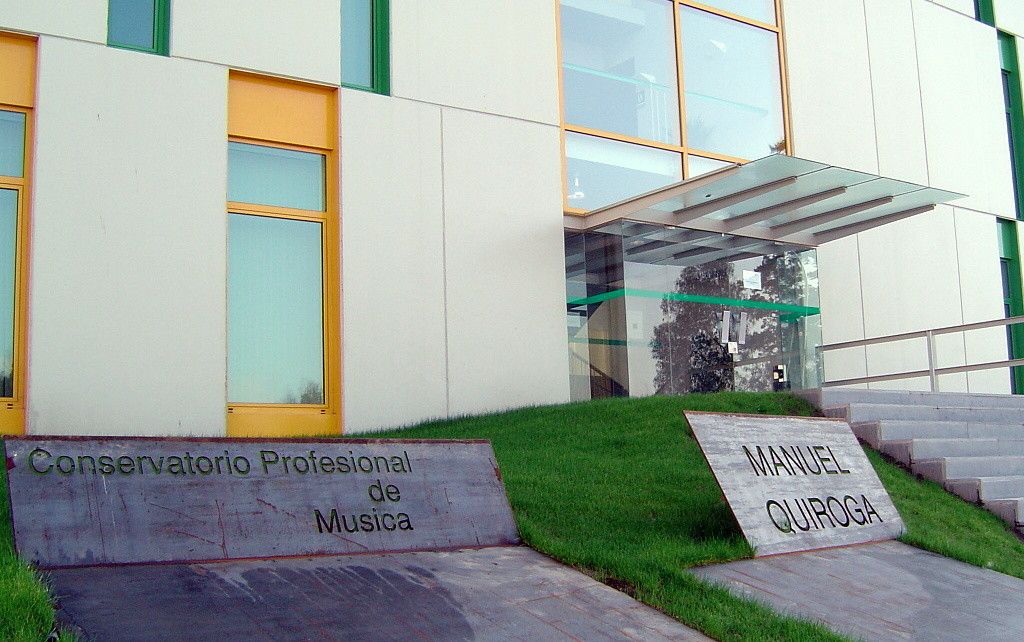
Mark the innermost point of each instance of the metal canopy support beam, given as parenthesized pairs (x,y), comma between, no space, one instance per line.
(746,220)
(855,228)
(729,244)
(786,229)
(689,214)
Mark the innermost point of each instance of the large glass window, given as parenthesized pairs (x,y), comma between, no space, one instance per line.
(8,252)
(760,10)
(733,86)
(139,24)
(619,67)
(275,275)
(275,310)
(275,176)
(365,56)
(679,78)
(603,171)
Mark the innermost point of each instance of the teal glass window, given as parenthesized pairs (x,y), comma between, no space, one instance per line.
(365,47)
(277,177)
(733,86)
(619,67)
(12,143)
(141,25)
(603,171)
(760,10)
(8,247)
(275,310)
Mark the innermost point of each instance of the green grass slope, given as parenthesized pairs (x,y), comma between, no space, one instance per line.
(619,489)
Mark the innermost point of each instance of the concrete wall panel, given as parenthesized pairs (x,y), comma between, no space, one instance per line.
(127,306)
(495,57)
(896,93)
(966,7)
(270,36)
(505,263)
(78,19)
(830,83)
(981,285)
(912,265)
(392,262)
(841,316)
(1010,16)
(965,124)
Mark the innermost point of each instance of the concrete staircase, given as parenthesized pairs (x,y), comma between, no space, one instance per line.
(972,444)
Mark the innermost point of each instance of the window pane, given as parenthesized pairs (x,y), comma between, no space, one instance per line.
(733,86)
(762,10)
(602,171)
(619,67)
(275,311)
(12,143)
(273,176)
(8,236)
(357,42)
(699,165)
(131,23)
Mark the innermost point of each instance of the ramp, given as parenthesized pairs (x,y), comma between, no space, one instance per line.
(160,539)
(883,591)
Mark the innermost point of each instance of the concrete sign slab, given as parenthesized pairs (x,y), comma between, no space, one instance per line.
(795,483)
(87,501)
(496,593)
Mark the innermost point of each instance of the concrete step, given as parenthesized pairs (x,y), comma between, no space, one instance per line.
(876,432)
(864,412)
(987,488)
(908,451)
(943,469)
(1011,510)
(843,396)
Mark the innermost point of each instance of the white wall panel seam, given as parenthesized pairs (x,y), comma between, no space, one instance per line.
(863,314)
(920,93)
(444,277)
(871,85)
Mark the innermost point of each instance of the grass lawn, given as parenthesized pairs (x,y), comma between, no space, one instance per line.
(619,489)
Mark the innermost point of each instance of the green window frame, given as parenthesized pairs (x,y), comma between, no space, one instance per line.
(985,12)
(161,29)
(380,47)
(1013,295)
(1014,104)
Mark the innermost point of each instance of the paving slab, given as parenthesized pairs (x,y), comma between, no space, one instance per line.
(883,591)
(495,593)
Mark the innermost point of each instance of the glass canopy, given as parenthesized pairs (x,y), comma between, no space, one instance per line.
(777,198)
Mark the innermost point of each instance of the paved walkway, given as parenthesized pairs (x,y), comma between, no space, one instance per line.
(498,593)
(884,591)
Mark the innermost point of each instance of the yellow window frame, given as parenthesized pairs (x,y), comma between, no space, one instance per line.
(257,93)
(17,94)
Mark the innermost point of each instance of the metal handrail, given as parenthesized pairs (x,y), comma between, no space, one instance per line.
(933,373)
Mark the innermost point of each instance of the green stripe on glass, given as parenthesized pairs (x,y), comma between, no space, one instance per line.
(794,310)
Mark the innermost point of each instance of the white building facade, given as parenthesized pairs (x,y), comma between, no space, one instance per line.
(385,236)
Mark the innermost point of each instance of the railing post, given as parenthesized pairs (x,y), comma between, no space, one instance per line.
(932,377)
